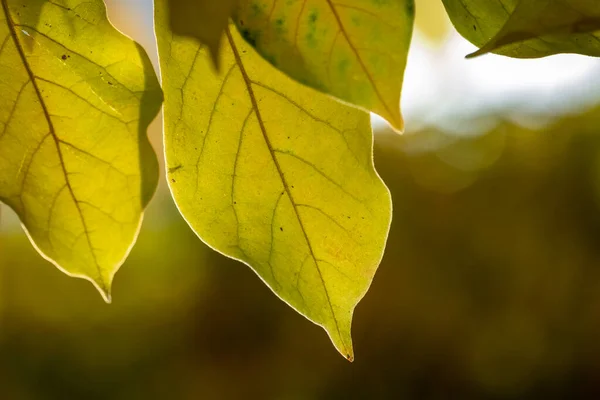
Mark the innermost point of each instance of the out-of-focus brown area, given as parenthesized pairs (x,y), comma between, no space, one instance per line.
(489,289)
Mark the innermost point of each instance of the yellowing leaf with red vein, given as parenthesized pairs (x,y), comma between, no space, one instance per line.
(354,50)
(75,163)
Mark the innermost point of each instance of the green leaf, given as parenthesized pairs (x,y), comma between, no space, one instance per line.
(528,28)
(204,20)
(75,163)
(354,50)
(276,175)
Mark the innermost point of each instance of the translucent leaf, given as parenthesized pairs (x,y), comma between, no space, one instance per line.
(431,20)
(75,163)
(528,28)
(354,50)
(275,175)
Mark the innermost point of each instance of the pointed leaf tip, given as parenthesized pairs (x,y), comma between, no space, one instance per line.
(289,186)
(528,28)
(354,50)
(105,289)
(75,162)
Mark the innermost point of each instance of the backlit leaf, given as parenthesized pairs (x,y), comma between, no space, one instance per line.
(75,163)
(204,20)
(432,21)
(275,175)
(528,28)
(354,50)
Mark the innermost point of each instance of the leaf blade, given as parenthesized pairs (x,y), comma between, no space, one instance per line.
(528,29)
(354,51)
(64,111)
(247,150)
(527,22)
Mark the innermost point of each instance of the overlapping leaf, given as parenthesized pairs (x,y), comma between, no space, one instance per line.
(75,164)
(276,175)
(204,20)
(354,50)
(528,28)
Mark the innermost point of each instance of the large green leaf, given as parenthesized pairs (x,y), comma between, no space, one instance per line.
(528,28)
(75,163)
(276,175)
(354,50)
(204,20)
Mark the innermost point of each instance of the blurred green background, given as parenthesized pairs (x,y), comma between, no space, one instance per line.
(489,288)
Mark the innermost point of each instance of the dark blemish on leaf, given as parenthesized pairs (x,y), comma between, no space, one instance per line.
(313,16)
(249,36)
(256,10)
(410,7)
(281,228)
(235,202)
(343,66)
(173,169)
(64,57)
(474,28)
(172,180)
(110,83)
(310,39)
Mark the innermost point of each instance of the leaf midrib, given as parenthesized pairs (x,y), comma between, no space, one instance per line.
(360,61)
(248,83)
(13,33)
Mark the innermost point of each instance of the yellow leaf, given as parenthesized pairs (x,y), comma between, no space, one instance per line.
(431,20)
(275,175)
(528,28)
(204,20)
(75,163)
(354,50)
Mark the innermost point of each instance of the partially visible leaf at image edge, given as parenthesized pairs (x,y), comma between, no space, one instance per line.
(354,50)
(275,175)
(75,163)
(528,28)
(536,18)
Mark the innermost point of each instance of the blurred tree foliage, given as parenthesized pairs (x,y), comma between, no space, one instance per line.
(489,289)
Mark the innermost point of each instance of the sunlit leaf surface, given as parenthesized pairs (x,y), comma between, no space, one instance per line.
(354,50)
(432,21)
(204,20)
(276,175)
(75,164)
(528,28)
